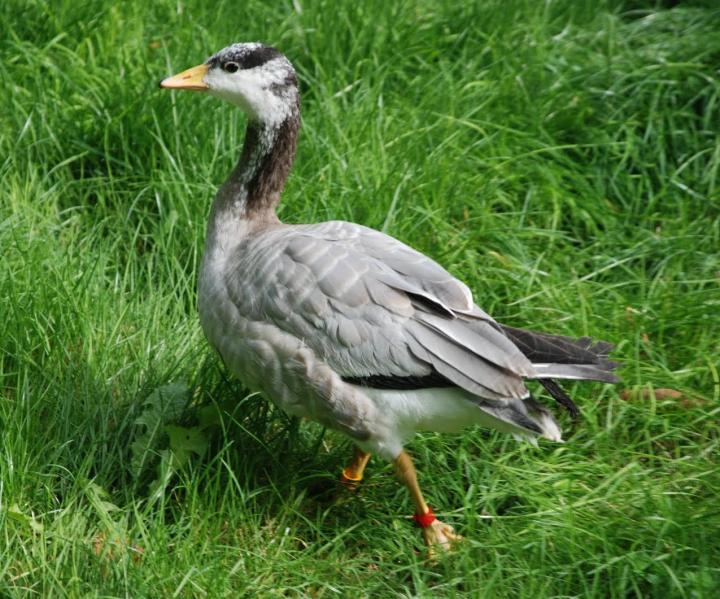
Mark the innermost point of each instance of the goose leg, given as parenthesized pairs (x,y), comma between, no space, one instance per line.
(353,474)
(437,534)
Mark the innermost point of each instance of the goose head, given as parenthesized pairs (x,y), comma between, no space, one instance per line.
(255,77)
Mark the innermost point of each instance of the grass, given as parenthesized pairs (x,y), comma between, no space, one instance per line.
(560,157)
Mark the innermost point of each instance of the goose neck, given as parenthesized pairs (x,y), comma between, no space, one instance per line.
(252,191)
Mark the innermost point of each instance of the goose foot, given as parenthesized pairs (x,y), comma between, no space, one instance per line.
(440,538)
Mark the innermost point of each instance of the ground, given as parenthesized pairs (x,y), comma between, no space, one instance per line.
(560,157)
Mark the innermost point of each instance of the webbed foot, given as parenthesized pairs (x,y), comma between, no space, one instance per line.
(440,538)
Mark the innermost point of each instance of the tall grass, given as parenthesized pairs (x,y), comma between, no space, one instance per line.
(560,157)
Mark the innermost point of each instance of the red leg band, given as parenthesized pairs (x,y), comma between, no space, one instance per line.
(425,520)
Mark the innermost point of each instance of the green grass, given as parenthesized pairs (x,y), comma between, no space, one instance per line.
(560,157)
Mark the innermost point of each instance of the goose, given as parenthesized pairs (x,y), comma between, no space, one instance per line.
(344,325)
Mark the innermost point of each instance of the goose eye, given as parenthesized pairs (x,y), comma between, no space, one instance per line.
(231,67)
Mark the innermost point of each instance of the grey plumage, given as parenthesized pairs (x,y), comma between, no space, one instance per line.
(348,326)
(359,312)
(326,318)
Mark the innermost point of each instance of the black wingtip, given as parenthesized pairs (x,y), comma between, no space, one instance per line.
(559,395)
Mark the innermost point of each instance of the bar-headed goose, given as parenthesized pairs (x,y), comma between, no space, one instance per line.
(348,326)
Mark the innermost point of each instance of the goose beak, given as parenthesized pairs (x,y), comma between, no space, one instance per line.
(192,79)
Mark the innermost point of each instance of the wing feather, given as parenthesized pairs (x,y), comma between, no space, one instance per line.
(482,339)
(369,306)
(460,366)
(374,312)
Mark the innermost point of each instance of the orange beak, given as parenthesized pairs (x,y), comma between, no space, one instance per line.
(192,79)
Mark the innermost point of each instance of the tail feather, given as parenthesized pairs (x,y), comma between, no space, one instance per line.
(576,372)
(528,418)
(544,347)
(557,356)
(544,418)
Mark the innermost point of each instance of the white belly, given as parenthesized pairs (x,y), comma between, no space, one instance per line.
(442,410)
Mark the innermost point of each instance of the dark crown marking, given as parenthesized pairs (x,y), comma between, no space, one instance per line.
(245,55)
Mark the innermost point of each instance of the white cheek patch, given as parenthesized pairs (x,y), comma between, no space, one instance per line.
(251,90)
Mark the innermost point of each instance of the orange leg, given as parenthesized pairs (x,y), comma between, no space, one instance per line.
(436,534)
(353,474)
